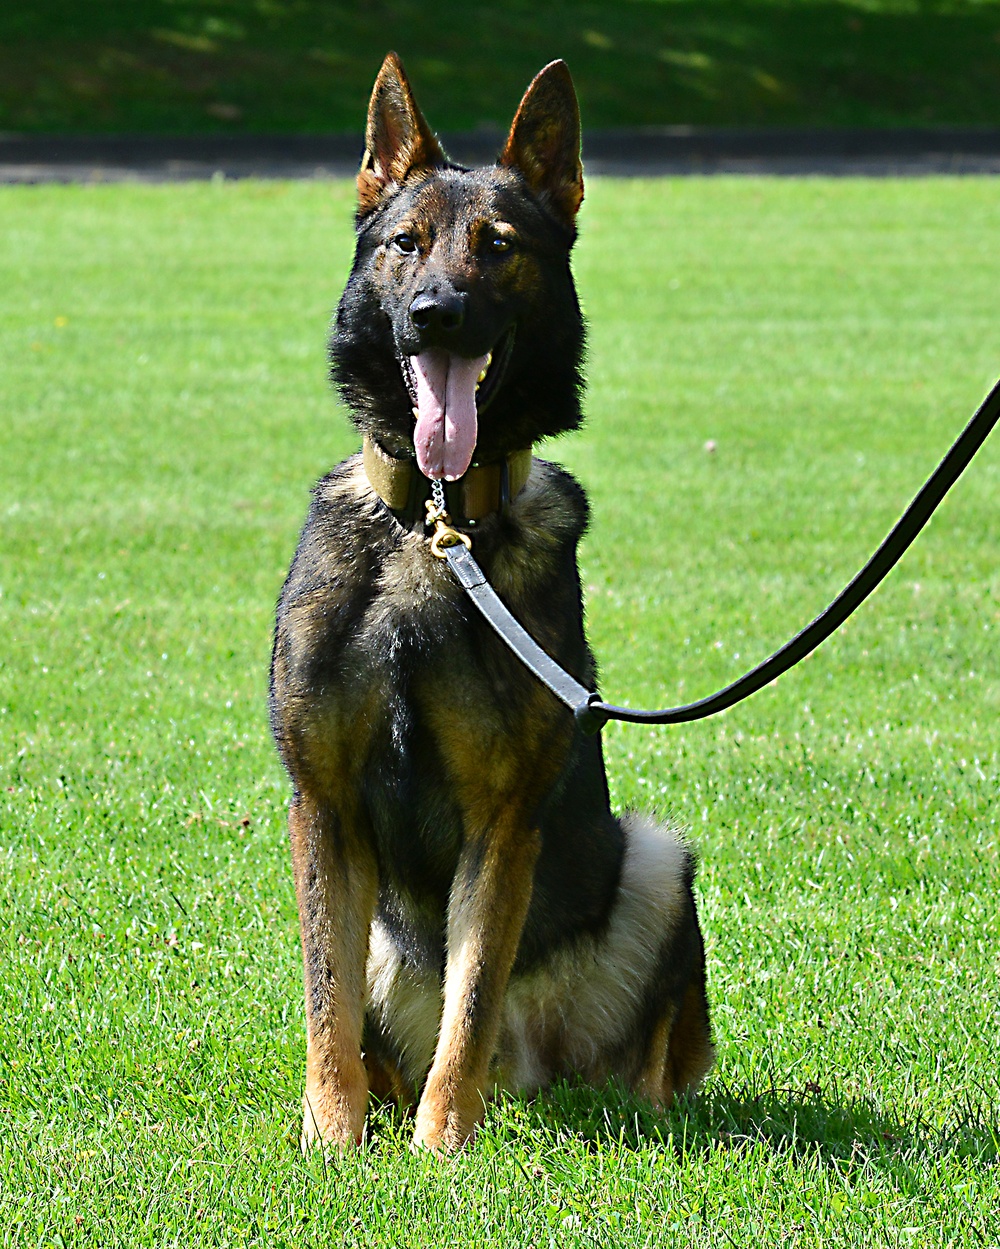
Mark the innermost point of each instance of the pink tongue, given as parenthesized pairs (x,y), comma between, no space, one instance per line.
(446,429)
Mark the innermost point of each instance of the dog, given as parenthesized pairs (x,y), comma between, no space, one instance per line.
(473,916)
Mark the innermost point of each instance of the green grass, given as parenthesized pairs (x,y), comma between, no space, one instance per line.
(164,413)
(187,66)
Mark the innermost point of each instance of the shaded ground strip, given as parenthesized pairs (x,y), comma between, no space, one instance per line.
(649,151)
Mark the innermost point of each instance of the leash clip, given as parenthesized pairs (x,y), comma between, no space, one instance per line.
(444,534)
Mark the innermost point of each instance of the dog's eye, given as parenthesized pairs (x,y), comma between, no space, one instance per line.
(405,243)
(500,243)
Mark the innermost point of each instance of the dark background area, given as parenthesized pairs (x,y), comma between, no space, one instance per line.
(306,66)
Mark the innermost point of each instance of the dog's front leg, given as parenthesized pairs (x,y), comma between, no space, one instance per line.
(336,887)
(486,913)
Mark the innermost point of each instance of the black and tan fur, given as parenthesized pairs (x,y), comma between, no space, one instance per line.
(473,916)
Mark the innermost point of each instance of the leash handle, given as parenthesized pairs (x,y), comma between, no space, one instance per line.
(589,709)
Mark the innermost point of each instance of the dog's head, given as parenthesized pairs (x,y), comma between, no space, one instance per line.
(459,335)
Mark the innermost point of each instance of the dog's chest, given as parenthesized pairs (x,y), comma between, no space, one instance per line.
(442,696)
(385,673)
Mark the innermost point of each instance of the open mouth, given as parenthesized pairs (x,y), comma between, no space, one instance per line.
(448,392)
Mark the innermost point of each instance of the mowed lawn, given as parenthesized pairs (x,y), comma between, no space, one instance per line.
(164,412)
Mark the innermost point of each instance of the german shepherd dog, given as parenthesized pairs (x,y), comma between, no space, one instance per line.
(473,916)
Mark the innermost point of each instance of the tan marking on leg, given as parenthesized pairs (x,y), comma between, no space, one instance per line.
(691,1052)
(486,916)
(653,1082)
(336,888)
(499,782)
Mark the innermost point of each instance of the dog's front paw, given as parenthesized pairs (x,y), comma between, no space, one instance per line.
(333,1115)
(445,1124)
(314,1135)
(440,1136)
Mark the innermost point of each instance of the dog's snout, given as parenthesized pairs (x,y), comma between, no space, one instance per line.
(441,312)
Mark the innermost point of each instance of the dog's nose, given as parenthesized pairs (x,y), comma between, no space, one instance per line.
(436,311)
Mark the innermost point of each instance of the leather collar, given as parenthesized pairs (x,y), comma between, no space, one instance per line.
(485,488)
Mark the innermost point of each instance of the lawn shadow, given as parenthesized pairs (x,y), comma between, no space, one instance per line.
(810,1121)
(156,67)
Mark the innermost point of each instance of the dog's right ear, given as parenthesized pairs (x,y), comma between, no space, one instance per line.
(397,140)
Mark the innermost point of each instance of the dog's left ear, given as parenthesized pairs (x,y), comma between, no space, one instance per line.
(397,138)
(544,142)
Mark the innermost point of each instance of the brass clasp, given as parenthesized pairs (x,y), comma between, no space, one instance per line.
(444,535)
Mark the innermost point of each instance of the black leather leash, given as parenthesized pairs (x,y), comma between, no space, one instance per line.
(588,707)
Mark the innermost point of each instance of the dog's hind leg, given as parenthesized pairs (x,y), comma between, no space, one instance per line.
(653,1082)
(336,887)
(680,1051)
(625,1000)
(690,1052)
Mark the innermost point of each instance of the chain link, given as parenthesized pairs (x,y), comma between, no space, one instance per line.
(444,535)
